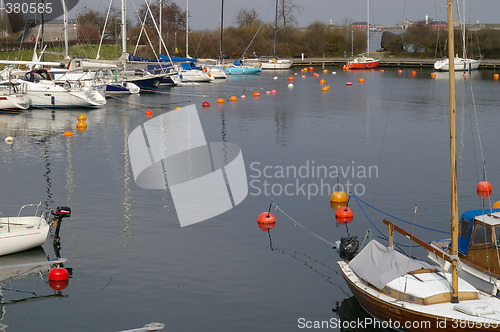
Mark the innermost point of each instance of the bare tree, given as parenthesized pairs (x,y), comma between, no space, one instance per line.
(286,9)
(247,17)
(173,18)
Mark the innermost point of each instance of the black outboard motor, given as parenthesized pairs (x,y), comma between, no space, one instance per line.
(60,213)
(348,247)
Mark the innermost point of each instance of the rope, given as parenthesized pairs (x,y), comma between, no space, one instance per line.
(302,226)
(394,217)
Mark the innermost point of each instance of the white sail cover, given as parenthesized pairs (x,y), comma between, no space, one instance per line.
(379,265)
(170,152)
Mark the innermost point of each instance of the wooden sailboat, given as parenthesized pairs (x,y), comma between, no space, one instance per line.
(364,61)
(412,295)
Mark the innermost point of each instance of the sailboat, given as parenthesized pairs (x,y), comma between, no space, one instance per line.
(461,63)
(274,62)
(362,61)
(413,295)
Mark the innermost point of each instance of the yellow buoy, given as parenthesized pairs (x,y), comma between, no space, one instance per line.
(82,117)
(324,88)
(81,125)
(496,205)
(433,75)
(177,108)
(325,71)
(220,101)
(338,197)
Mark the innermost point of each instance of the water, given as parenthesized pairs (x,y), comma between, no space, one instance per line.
(133,264)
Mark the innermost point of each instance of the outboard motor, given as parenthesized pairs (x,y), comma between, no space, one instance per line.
(348,247)
(60,213)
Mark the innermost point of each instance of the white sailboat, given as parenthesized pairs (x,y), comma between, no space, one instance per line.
(460,63)
(414,295)
(274,62)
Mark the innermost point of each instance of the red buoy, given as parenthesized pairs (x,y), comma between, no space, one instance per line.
(205,104)
(266,221)
(344,215)
(58,274)
(149,113)
(484,189)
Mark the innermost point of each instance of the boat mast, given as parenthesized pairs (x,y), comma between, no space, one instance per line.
(367,28)
(160,27)
(275,29)
(65,24)
(187,28)
(221,30)
(453,156)
(124,26)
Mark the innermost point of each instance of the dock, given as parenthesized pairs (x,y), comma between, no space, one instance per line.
(385,62)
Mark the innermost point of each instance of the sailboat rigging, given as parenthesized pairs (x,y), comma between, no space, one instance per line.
(414,295)
(274,62)
(362,61)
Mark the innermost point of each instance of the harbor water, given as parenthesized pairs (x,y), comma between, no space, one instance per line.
(384,140)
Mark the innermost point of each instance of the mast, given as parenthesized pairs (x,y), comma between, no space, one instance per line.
(187,28)
(161,24)
(124,26)
(275,29)
(65,24)
(453,156)
(221,30)
(367,28)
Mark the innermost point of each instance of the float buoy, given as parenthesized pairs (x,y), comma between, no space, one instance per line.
(58,285)
(273,91)
(58,274)
(361,80)
(496,205)
(484,189)
(233,98)
(266,221)
(348,83)
(344,215)
(496,76)
(220,101)
(9,139)
(290,85)
(68,133)
(322,81)
(338,197)
(256,94)
(291,78)
(149,113)
(205,104)
(82,117)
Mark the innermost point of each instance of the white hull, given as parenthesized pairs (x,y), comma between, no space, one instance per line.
(49,94)
(461,64)
(14,102)
(195,76)
(276,64)
(22,233)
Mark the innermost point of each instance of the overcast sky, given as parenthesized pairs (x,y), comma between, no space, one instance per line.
(205,14)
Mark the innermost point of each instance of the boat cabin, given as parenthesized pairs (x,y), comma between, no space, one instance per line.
(479,239)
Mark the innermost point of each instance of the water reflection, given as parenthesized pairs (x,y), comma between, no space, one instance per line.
(354,318)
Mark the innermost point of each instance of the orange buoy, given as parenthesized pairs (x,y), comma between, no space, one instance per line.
(496,205)
(68,133)
(81,117)
(400,71)
(344,215)
(266,221)
(291,78)
(413,73)
(361,80)
(433,75)
(484,189)
(256,94)
(220,101)
(205,104)
(233,98)
(177,108)
(338,197)
(149,113)
(345,68)
(381,70)
(496,76)
(322,81)
(324,88)
(81,125)
(311,68)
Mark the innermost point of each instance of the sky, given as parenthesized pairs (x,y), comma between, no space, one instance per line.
(205,14)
